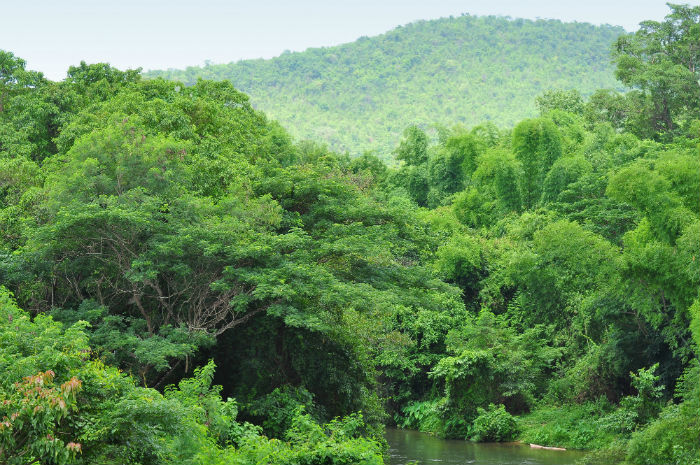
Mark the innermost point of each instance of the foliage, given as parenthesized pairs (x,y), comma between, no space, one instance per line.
(493,425)
(490,363)
(169,216)
(565,100)
(277,409)
(424,416)
(32,416)
(569,426)
(672,437)
(660,60)
(307,443)
(645,405)
(98,415)
(537,145)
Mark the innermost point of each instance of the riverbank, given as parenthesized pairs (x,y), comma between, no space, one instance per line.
(616,434)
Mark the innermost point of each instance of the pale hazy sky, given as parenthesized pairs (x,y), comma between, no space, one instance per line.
(157,34)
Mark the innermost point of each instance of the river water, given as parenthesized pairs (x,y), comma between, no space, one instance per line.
(409,446)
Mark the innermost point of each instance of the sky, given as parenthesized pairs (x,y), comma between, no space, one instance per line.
(51,35)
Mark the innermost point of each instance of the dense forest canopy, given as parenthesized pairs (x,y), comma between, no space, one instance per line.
(181,282)
(460,70)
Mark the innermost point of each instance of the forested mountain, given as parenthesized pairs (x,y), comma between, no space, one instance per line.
(183,283)
(469,70)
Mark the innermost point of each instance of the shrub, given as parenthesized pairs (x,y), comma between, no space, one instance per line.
(570,426)
(674,437)
(275,411)
(671,439)
(493,425)
(307,443)
(613,453)
(423,416)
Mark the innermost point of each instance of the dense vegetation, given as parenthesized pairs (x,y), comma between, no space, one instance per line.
(182,283)
(360,96)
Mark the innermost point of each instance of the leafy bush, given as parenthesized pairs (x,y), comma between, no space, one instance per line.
(307,443)
(570,426)
(275,411)
(673,438)
(32,415)
(337,442)
(493,425)
(612,453)
(423,416)
(646,404)
(636,411)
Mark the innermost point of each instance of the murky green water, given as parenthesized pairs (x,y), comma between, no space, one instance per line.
(406,446)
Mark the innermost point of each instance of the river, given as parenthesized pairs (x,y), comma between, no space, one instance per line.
(408,446)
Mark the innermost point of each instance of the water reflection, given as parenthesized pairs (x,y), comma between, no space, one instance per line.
(409,446)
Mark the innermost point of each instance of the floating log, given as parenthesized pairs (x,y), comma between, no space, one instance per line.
(537,446)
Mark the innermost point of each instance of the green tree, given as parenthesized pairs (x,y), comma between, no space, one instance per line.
(413,149)
(14,77)
(606,105)
(651,193)
(565,100)
(413,175)
(537,145)
(663,60)
(32,419)
(564,172)
(500,175)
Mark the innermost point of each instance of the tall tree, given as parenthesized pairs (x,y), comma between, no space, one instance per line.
(663,60)
(537,145)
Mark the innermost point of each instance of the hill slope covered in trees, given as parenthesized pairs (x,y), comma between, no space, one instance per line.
(360,96)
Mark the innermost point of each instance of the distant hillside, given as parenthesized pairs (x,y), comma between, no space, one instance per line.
(360,96)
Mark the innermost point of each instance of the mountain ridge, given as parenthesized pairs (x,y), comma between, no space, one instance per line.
(468,69)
